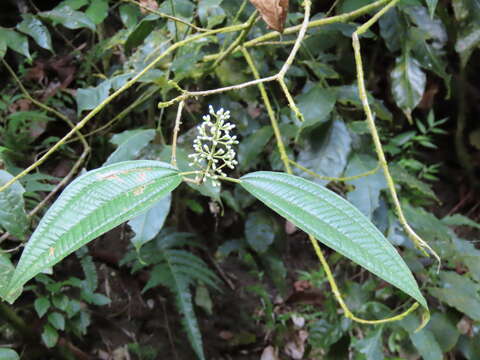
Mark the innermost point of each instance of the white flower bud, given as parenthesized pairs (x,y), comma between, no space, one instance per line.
(213,145)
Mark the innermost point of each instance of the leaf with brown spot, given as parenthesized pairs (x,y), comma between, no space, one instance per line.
(91,205)
(274,12)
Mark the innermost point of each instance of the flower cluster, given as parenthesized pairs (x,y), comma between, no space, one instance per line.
(213,145)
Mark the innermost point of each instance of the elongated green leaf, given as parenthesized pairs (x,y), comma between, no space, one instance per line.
(178,270)
(185,306)
(371,345)
(251,147)
(6,272)
(393,29)
(348,95)
(129,143)
(49,336)
(89,269)
(459,292)
(445,331)
(72,4)
(316,105)
(211,13)
(424,340)
(203,299)
(366,194)
(147,225)
(129,14)
(334,222)
(460,220)
(328,157)
(13,217)
(14,41)
(89,98)
(69,18)
(90,206)
(35,28)
(57,320)
(426,344)
(41,305)
(3,46)
(97,11)
(141,31)
(408,83)
(402,176)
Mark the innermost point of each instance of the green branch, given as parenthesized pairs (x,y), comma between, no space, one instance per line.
(109,99)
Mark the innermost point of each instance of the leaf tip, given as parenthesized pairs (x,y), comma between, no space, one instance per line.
(425,320)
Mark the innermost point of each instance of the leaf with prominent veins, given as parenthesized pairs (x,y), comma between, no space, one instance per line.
(335,222)
(90,206)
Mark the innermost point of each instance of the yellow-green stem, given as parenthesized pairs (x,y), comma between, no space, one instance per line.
(417,240)
(313,24)
(339,298)
(106,101)
(286,161)
(328,178)
(176,129)
(271,114)
(170,17)
(236,42)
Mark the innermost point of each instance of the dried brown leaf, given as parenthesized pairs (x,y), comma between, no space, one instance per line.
(274,12)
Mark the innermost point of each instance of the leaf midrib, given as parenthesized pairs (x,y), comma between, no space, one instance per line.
(409,289)
(24,269)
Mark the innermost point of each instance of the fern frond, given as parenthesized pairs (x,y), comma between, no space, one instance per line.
(193,267)
(169,239)
(89,269)
(177,271)
(185,307)
(159,275)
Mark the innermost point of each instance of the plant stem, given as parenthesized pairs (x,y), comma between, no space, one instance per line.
(111,97)
(417,240)
(339,297)
(176,129)
(75,167)
(328,178)
(286,161)
(250,22)
(226,178)
(271,113)
(313,24)
(170,17)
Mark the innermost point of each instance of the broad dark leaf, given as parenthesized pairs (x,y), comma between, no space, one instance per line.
(33,27)
(408,83)
(326,156)
(13,217)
